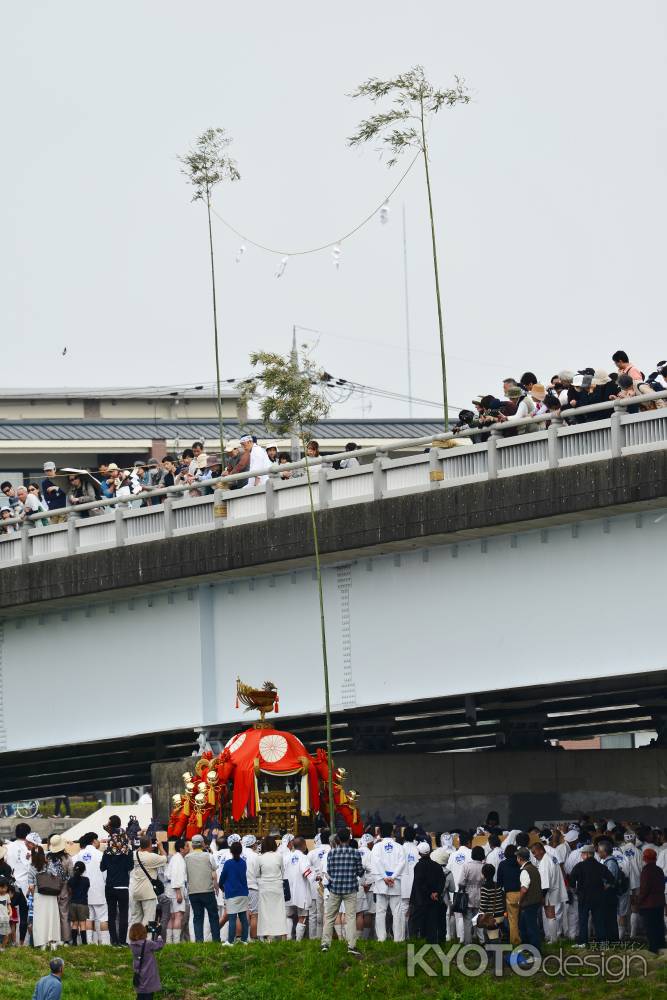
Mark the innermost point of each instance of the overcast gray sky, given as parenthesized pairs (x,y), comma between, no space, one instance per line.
(550,189)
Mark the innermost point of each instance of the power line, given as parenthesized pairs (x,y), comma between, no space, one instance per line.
(323,246)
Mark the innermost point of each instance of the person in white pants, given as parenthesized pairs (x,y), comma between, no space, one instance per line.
(553,889)
(387,865)
(98,909)
(176,879)
(407,878)
(457,859)
(317,859)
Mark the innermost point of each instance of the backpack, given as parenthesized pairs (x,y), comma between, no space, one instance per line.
(132,830)
(622,882)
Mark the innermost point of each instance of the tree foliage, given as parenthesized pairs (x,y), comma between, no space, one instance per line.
(289,395)
(207,164)
(415,100)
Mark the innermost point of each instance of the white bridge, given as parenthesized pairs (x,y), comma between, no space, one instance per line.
(437,468)
(453,618)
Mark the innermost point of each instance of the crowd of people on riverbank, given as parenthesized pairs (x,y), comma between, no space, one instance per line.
(579,881)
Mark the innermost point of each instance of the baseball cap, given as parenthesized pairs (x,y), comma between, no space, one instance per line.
(198,840)
(423,847)
(49,466)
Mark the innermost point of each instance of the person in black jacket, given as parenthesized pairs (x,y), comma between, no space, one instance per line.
(591,880)
(508,878)
(426,896)
(117,862)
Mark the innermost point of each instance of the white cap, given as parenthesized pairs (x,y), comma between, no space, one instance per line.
(571,836)
(34,839)
(233,838)
(248,841)
(423,847)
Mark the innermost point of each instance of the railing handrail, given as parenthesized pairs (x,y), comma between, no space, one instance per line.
(274,469)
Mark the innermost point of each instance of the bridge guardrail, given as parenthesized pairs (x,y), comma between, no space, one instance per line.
(445,463)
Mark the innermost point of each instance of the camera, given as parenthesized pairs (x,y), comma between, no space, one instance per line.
(153,928)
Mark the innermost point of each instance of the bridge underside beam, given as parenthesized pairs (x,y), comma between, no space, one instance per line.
(572,710)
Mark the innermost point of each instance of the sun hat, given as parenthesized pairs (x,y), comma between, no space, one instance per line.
(57,843)
(538,391)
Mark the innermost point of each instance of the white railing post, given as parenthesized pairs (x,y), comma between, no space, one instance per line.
(324,486)
(168,508)
(616,432)
(72,538)
(552,443)
(270,497)
(219,507)
(435,471)
(378,476)
(492,455)
(120,527)
(25,544)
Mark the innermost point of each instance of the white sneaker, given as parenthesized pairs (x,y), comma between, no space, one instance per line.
(227,944)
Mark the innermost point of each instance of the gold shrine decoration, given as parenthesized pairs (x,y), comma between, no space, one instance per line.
(262,700)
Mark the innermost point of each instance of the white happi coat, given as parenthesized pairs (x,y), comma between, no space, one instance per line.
(299,875)
(387,861)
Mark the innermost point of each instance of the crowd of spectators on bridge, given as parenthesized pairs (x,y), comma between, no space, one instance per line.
(521,399)
(561,396)
(129,486)
(582,880)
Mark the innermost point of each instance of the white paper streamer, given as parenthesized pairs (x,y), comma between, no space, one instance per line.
(281,267)
(384,213)
(336,255)
(239,253)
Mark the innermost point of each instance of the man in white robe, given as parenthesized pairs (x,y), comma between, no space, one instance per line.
(412,856)
(318,862)
(457,859)
(387,864)
(554,890)
(299,874)
(259,462)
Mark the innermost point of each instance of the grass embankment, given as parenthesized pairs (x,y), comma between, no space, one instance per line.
(290,971)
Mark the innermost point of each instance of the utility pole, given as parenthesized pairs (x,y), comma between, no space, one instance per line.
(295,446)
(407,311)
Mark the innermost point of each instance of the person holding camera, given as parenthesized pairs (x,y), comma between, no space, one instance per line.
(146,979)
(144,885)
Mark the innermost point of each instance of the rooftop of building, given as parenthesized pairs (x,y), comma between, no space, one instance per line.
(78,429)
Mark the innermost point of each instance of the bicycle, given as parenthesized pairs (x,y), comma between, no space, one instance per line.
(26,809)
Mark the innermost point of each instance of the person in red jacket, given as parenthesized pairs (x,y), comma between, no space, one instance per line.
(651,900)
